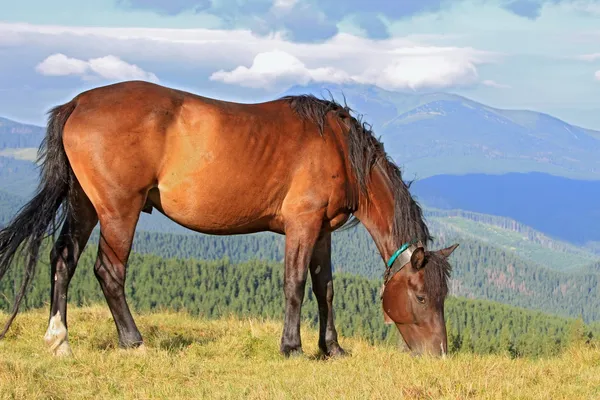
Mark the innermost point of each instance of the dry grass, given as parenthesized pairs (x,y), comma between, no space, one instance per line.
(231,358)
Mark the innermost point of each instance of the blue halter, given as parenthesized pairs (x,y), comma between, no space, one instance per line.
(401,250)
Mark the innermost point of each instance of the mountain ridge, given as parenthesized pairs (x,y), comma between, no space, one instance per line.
(457,135)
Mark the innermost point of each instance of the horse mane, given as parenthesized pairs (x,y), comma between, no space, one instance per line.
(366,151)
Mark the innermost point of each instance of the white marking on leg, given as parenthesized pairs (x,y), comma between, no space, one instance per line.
(56,336)
(318,269)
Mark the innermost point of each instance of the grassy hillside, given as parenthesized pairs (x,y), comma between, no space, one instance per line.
(481,270)
(238,358)
(255,289)
(510,235)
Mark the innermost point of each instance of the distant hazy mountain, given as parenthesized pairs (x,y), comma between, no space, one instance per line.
(439,133)
(562,208)
(18,177)
(17,135)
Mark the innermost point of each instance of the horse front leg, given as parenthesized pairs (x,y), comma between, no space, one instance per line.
(300,240)
(322,285)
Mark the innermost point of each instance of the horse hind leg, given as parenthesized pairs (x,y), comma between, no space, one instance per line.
(117,229)
(65,254)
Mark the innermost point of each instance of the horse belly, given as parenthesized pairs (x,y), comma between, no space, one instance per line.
(214,204)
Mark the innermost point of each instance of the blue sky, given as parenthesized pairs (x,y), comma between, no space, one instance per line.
(542,55)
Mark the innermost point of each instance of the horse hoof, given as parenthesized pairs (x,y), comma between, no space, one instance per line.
(56,337)
(136,349)
(336,352)
(141,349)
(63,350)
(292,351)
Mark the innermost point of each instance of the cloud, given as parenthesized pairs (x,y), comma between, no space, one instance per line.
(421,72)
(278,67)
(589,57)
(61,65)
(241,58)
(109,68)
(586,6)
(494,84)
(597,75)
(317,20)
(284,4)
(373,25)
(525,8)
(404,69)
(167,7)
(301,22)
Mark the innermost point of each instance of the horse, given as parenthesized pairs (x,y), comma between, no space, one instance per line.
(300,166)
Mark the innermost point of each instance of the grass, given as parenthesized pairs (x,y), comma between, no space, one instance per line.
(231,358)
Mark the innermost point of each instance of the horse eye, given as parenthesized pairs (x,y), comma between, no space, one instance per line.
(421,299)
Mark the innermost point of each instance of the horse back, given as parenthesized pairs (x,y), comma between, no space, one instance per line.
(203,162)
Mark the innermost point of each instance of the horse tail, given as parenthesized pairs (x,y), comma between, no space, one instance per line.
(42,216)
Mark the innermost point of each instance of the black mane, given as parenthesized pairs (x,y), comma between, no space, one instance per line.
(367,151)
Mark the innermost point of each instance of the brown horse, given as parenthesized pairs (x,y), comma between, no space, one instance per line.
(298,166)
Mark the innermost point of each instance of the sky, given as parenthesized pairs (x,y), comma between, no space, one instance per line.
(541,55)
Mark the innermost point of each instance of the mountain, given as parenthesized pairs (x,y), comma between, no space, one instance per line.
(440,133)
(436,133)
(511,236)
(17,135)
(18,177)
(9,205)
(562,208)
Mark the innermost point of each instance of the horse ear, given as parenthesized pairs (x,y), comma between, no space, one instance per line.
(418,258)
(448,250)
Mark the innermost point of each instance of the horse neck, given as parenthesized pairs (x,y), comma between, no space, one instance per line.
(377,212)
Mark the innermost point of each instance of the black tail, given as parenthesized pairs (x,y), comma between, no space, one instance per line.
(42,216)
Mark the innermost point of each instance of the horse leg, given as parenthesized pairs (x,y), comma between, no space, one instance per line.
(322,283)
(73,237)
(299,243)
(117,229)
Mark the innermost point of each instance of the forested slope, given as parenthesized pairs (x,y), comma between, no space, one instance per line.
(218,288)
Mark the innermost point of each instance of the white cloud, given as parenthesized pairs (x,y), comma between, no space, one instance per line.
(589,57)
(597,75)
(284,4)
(586,6)
(417,72)
(242,58)
(494,84)
(414,69)
(113,68)
(60,65)
(278,67)
(109,67)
